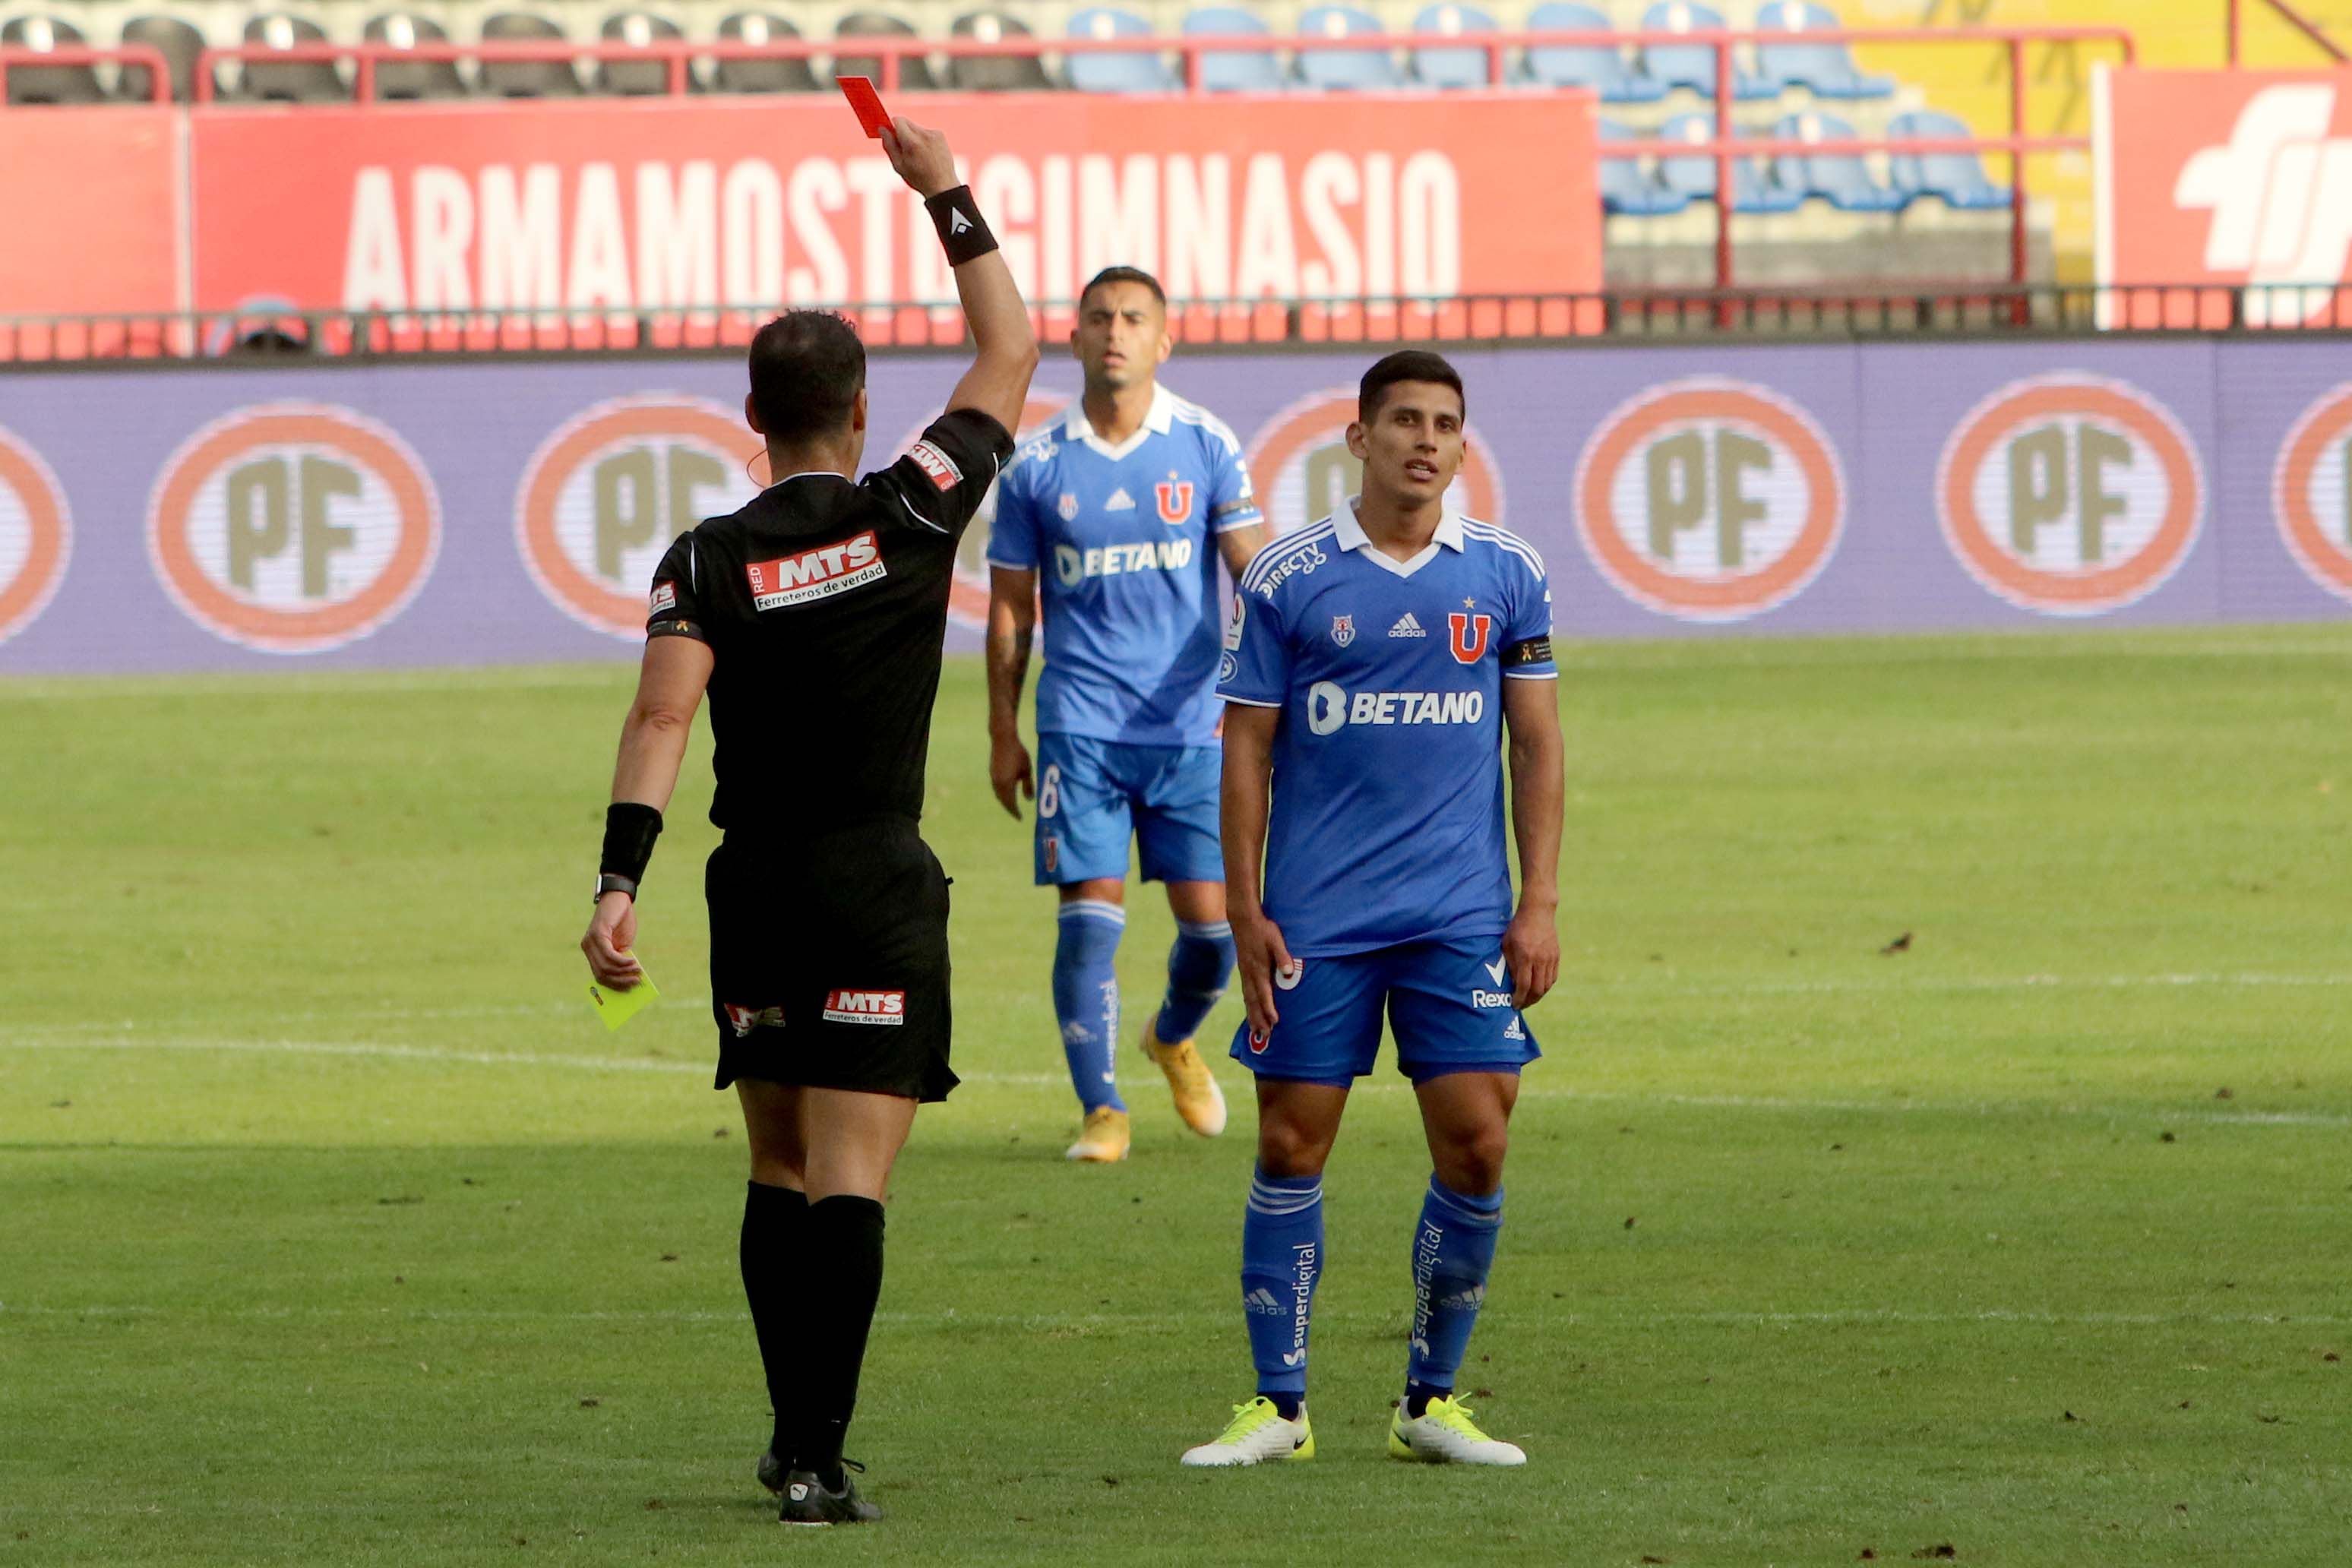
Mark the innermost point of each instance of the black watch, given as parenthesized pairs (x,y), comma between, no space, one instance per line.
(608,883)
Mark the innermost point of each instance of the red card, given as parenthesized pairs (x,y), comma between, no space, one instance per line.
(867,102)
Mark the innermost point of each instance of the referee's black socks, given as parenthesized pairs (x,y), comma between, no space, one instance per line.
(775,1227)
(839,1282)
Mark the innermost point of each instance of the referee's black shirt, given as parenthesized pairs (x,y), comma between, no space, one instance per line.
(824,603)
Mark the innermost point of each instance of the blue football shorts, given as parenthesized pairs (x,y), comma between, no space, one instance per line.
(1448,1005)
(1094,794)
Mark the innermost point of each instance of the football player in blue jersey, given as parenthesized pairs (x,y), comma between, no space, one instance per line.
(1373,664)
(1120,512)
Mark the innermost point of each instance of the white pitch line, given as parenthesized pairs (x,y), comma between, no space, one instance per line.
(1164,1320)
(1566,994)
(2183,1115)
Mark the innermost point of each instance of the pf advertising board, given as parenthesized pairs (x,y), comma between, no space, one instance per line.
(511,512)
(2223,177)
(646,205)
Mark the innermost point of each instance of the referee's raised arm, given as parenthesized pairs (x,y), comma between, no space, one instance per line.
(1004,348)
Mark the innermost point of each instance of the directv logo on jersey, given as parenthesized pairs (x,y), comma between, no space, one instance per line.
(1298,564)
(1329,706)
(816,574)
(1074,566)
(1407,627)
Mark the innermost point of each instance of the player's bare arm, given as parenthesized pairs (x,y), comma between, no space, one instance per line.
(1012,628)
(1258,948)
(1539,795)
(1004,348)
(670,683)
(1240,546)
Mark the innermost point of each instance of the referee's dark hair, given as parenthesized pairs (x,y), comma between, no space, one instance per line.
(1124,275)
(1405,364)
(806,369)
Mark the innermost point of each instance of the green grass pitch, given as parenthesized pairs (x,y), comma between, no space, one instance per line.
(334,1229)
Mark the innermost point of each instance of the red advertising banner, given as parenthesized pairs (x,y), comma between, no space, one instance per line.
(662,204)
(2224,177)
(90,199)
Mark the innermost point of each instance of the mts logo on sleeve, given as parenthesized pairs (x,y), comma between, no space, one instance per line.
(865,1007)
(816,574)
(936,463)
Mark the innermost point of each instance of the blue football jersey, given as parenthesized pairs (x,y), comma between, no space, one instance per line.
(1388,822)
(1123,540)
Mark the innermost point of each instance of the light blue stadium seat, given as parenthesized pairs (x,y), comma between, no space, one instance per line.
(1115,73)
(1753,188)
(1843,179)
(1351,68)
(1958,179)
(1826,66)
(1598,66)
(1235,70)
(1693,64)
(1627,187)
(1465,67)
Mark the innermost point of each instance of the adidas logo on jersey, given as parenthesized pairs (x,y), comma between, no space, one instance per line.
(1263,1301)
(1119,501)
(1515,1032)
(1407,627)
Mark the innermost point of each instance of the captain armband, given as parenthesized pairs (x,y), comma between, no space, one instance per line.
(963,233)
(1535,650)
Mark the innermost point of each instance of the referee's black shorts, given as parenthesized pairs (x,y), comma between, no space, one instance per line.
(829,959)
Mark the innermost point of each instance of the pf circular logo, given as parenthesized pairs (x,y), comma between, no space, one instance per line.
(2311,493)
(967,589)
(36,535)
(2070,494)
(1303,472)
(604,498)
(293,527)
(1709,500)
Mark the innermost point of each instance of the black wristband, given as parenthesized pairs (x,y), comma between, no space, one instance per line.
(963,233)
(630,830)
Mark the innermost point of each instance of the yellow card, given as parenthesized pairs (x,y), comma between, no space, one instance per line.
(618,1007)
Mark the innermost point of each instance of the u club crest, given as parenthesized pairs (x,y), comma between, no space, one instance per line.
(1343,629)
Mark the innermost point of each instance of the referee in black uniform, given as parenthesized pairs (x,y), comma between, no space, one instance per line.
(814,617)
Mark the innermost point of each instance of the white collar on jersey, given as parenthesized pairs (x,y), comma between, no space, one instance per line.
(809,474)
(1158,420)
(1350,535)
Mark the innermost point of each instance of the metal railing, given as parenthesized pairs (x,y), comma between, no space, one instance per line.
(2292,17)
(146,55)
(1952,309)
(1728,148)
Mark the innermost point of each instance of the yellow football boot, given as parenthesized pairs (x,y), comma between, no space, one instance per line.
(1198,1099)
(1103,1141)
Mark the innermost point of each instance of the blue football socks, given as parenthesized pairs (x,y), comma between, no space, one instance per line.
(1282,1254)
(1199,966)
(1452,1251)
(1086,997)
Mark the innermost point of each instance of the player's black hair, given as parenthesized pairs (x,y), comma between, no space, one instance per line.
(806,369)
(1406,364)
(1124,275)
